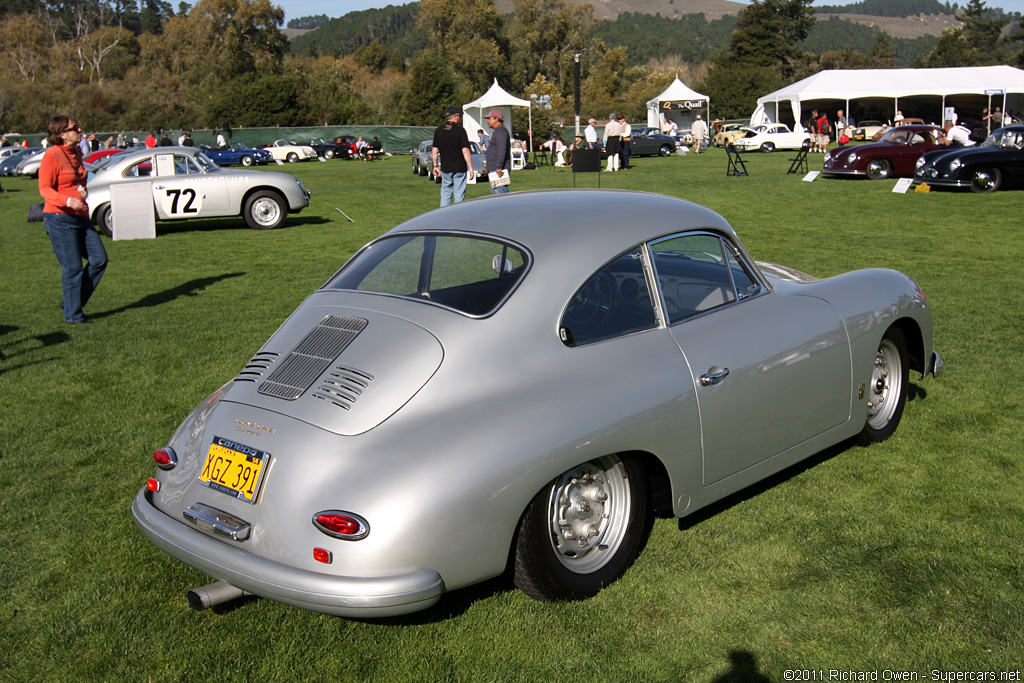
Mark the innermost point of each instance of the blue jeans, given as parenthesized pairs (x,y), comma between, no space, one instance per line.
(453,188)
(73,239)
(501,189)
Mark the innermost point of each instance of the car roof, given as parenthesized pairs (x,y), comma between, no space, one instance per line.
(587,225)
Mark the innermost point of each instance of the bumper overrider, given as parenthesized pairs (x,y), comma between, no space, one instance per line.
(347,596)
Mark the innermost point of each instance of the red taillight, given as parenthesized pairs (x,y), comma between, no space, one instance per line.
(344,525)
(322,555)
(166,458)
(153,485)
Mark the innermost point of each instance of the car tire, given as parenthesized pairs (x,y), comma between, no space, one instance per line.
(292,157)
(583,530)
(988,179)
(329,154)
(887,391)
(246,160)
(415,166)
(767,147)
(879,169)
(265,210)
(104,221)
(665,151)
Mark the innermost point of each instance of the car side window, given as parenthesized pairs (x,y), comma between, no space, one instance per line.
(614,302)
(699,272)
(185,166)
(143,169)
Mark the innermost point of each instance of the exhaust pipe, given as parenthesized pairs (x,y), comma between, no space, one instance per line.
(213,594)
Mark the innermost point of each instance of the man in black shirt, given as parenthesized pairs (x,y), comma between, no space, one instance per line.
(451,144)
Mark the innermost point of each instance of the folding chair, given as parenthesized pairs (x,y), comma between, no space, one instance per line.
(799,164)
(736,166)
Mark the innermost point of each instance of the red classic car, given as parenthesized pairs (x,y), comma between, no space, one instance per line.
(894,155)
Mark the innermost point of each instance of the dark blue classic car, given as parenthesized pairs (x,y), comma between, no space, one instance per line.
(996,163)
(649,141)
(237,153)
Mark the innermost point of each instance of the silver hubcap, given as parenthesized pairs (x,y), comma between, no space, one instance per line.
(878,170)
(983,179)
(266,211)
(589,514)
(885,389)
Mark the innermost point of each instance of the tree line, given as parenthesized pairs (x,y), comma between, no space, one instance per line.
(119,65)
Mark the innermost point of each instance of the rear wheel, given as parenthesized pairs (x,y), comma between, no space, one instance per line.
(104,220)
(329,154)
(583,530)
(292,157)
(265,210)
(887,392)
(986,180)
(879,169)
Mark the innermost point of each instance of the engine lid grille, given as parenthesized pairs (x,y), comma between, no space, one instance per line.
(312,356)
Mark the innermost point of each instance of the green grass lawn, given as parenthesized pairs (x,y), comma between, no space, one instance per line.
(902,557)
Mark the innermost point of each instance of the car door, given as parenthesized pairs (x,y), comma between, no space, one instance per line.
(769,371)
(182,190)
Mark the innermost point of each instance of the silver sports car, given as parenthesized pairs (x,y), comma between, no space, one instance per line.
(518,383)
(185,183)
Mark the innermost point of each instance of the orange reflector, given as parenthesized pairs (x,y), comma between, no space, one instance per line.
(152,484)
(322,555)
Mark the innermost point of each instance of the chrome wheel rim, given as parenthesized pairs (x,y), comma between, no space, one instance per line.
(886,385)
(266,211)
(589,514)
(983,179)
(878,170)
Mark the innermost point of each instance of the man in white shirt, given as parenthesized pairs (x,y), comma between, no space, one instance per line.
(590,133)
(699,131)
(957,136)
(557,149)
(627,140)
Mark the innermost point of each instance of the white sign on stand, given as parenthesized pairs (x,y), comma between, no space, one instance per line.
(902,185)
(131,208)
(809,178)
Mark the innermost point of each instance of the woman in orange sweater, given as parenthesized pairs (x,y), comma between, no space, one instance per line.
(66,217)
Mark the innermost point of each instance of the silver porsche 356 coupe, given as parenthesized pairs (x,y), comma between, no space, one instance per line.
(517,383)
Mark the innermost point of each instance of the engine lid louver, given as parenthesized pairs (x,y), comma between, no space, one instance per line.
(308,360)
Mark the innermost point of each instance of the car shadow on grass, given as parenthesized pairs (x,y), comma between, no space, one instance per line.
(232,223)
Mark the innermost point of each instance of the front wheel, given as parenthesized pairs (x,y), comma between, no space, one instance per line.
(986,180)
(665,151)
(768,147)
(329,154)
(583,531)
(879,169)
(246,160)
(265,210)
(887,392)
(104,221)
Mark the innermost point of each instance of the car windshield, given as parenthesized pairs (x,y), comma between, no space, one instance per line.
(1007,139)
(470,274)
(205,162)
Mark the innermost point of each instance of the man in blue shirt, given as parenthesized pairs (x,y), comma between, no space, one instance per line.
(499,153)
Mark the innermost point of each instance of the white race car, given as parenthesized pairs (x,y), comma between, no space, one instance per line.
(770,137)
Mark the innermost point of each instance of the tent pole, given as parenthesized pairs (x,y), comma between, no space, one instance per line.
(529,116)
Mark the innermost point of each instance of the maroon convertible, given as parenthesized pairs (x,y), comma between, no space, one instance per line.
(894,155)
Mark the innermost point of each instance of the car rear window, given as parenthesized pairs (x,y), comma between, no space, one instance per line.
(470,274)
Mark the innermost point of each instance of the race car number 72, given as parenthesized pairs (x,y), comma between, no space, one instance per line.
(188,195)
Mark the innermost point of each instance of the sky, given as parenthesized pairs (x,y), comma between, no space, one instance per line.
(294,9)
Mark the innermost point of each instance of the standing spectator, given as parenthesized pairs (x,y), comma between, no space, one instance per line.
(62,179)
(898,118)
(187,141)
(590,134)
(181,138)
(166,141)
(499,153)
(451,157)
(222,142)
(1008,118)
(83,144)
(613,142)
(482,139)
(823,133)
(120,140)
(699,130)
(627,140)
(151,140)
(841,126)
(673,128)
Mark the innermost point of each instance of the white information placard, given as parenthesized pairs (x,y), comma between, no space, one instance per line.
(809,178)
(131,208)
(902,185)
(164,164)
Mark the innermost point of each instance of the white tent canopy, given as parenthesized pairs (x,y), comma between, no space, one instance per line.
(678,103)
(927,92)
(495,98)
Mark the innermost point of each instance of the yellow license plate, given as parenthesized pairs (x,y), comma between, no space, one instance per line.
(234,468)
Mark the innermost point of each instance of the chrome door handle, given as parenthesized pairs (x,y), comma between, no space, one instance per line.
(714,375)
